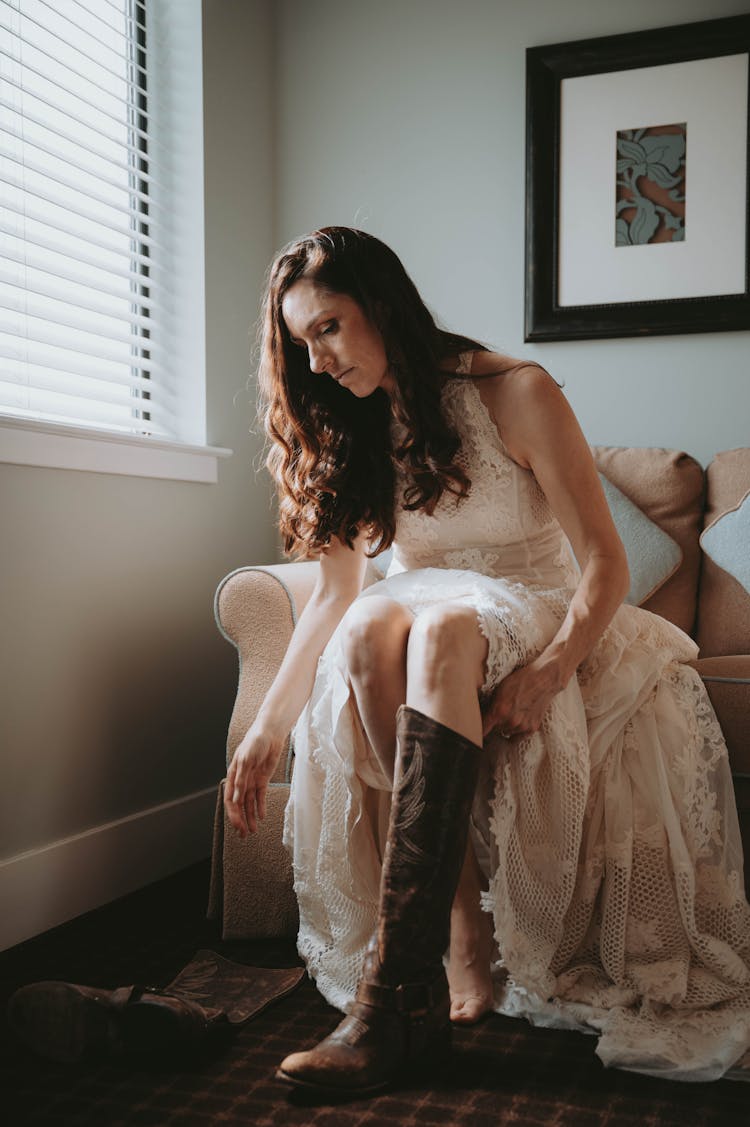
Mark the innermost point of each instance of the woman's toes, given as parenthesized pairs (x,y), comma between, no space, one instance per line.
(469,1009)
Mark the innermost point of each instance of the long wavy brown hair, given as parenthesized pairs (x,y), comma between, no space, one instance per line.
(331,453)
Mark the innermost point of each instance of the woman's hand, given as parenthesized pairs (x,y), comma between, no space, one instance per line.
(520,701)
(253,764)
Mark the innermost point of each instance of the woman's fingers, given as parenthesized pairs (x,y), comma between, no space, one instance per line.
(261,800)
(245,803)
(505,729)
(236,813)
(509,722)
(249,811)
(499,715)
(254,806)
(235,799)
(517,706)
(247,781)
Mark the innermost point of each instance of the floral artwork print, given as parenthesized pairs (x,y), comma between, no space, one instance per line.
(650,195)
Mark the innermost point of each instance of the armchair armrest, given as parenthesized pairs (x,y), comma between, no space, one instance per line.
(256,610)
(251,891)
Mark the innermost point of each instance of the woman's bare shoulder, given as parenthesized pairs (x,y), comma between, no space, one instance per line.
(501,364)
(515,393)
(500,379)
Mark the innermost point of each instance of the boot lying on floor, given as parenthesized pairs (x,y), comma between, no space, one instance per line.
(400,1019)
(210,997)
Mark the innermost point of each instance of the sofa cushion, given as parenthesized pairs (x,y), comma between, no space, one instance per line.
(724,604)
(668,487)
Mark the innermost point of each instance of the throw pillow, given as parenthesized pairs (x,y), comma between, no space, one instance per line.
(653,556)
(727,541)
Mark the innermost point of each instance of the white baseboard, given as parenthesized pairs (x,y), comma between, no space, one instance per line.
(47,886)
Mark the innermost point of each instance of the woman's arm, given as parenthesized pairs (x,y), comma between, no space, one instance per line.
(340,579)
(542,434)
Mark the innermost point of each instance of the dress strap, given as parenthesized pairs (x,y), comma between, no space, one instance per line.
(465,359)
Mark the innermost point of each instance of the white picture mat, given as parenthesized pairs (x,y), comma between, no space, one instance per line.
(710,96)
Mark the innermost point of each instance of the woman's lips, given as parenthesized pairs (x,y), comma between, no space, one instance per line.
(338,379)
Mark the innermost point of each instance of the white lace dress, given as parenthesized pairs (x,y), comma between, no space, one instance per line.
(609,839)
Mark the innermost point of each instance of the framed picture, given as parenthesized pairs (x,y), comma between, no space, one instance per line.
(637,216)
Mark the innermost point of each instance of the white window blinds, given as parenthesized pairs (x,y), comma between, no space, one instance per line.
(79,224)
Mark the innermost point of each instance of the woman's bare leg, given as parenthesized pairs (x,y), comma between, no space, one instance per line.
(434,664)
(471,947)
(376,640)
(445,670)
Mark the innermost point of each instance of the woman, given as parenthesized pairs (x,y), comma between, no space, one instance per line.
(489,746)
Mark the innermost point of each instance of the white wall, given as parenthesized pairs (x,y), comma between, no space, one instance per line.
(116,687)
(406,118)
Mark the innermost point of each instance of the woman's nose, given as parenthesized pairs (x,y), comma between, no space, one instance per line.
(319,359)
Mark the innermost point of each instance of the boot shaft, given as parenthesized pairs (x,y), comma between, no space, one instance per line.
(435,779)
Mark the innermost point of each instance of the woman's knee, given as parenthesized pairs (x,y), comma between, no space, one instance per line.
(445,642)
(376,633)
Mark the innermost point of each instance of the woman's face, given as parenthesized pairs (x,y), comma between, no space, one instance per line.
(341,342)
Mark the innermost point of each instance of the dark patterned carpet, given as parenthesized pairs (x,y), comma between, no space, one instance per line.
(502,1071)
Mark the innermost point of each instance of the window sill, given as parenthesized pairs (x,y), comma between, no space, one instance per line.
(25,442)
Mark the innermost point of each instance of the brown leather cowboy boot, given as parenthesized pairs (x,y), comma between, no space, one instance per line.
(71,1023)
(401,1015)
(209,998)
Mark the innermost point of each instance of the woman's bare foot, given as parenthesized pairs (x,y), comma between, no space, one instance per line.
(469,967)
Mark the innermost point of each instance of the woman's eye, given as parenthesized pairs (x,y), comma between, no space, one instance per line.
(331,328)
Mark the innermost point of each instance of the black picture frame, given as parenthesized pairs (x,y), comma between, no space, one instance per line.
(546,67)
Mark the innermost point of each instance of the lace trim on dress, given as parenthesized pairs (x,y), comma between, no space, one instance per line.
(464,398)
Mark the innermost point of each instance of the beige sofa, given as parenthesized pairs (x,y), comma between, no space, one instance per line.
(256,608)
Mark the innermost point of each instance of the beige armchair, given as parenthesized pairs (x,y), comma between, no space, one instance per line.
(257,607)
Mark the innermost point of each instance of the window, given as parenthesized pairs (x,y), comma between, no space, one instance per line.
(101,332)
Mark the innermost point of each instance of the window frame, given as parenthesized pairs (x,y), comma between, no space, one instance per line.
(175,96)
